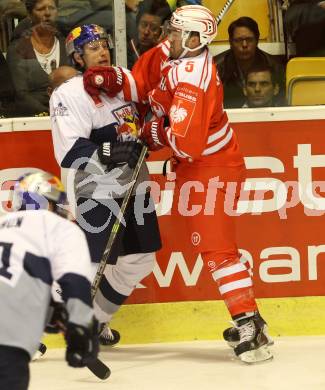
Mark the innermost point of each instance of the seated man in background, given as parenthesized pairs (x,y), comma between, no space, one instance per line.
(149,29)
(234,63)
(261,87)
(305,23)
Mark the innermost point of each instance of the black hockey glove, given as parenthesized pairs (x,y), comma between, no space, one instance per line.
(112,154)
(82,344)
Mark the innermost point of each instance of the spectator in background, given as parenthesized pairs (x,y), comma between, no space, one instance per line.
(73,13)
(234,63)
(149,29)
(34,55)
(305,23)
(132,11)
(7,90)
(261,87)
(12,9)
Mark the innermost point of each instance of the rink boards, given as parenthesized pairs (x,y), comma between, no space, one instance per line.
(280,228)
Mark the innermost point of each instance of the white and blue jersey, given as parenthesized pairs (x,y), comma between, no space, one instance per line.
(36,249)
(79,127)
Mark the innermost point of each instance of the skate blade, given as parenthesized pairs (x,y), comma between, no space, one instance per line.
(37,356)
(233,344)
(40,352)
(261,354)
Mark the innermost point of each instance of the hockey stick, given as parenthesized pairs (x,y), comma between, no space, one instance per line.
(97,367)
(224,10)
(117,224)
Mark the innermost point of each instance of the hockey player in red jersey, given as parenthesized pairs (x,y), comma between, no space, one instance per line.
(155,60)
(190,120)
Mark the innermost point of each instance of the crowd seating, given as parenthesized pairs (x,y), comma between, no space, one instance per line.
(256,9)
(305,79)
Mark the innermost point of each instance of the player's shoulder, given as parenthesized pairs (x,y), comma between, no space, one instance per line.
(9,219)
(72,86)
(163,47)
(49,218)
(26,218)
(160,51)
(46,216)
(192,70)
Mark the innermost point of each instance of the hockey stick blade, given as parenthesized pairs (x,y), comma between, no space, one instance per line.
(98,368)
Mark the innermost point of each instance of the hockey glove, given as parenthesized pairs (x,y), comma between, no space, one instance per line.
(112,154)
(154,135)
(82,344)
(108,79)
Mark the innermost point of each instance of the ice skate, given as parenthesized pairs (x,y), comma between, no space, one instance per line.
(109,336)
(40,352)
(231,335)
(253,343)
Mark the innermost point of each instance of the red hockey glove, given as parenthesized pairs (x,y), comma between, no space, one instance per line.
(103,78)
(154,135)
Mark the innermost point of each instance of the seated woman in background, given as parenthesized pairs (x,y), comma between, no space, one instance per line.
(34,55)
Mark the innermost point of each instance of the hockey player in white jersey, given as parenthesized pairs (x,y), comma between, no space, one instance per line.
(36,249)
(88,136)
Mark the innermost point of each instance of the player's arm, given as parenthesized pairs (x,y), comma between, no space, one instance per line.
(184,126)
(71,127)
(191,99)
(147,71)
(71,123)
(71,269)
(111,80)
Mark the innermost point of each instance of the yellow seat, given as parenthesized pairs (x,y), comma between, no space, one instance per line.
(305,79)
(256,9)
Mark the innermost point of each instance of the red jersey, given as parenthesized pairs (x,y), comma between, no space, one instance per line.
(191,94)
(147,71)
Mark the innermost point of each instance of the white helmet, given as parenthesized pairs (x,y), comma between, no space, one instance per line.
(195,18)
(33,191)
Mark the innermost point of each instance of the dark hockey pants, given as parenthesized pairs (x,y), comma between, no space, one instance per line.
(14,368)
